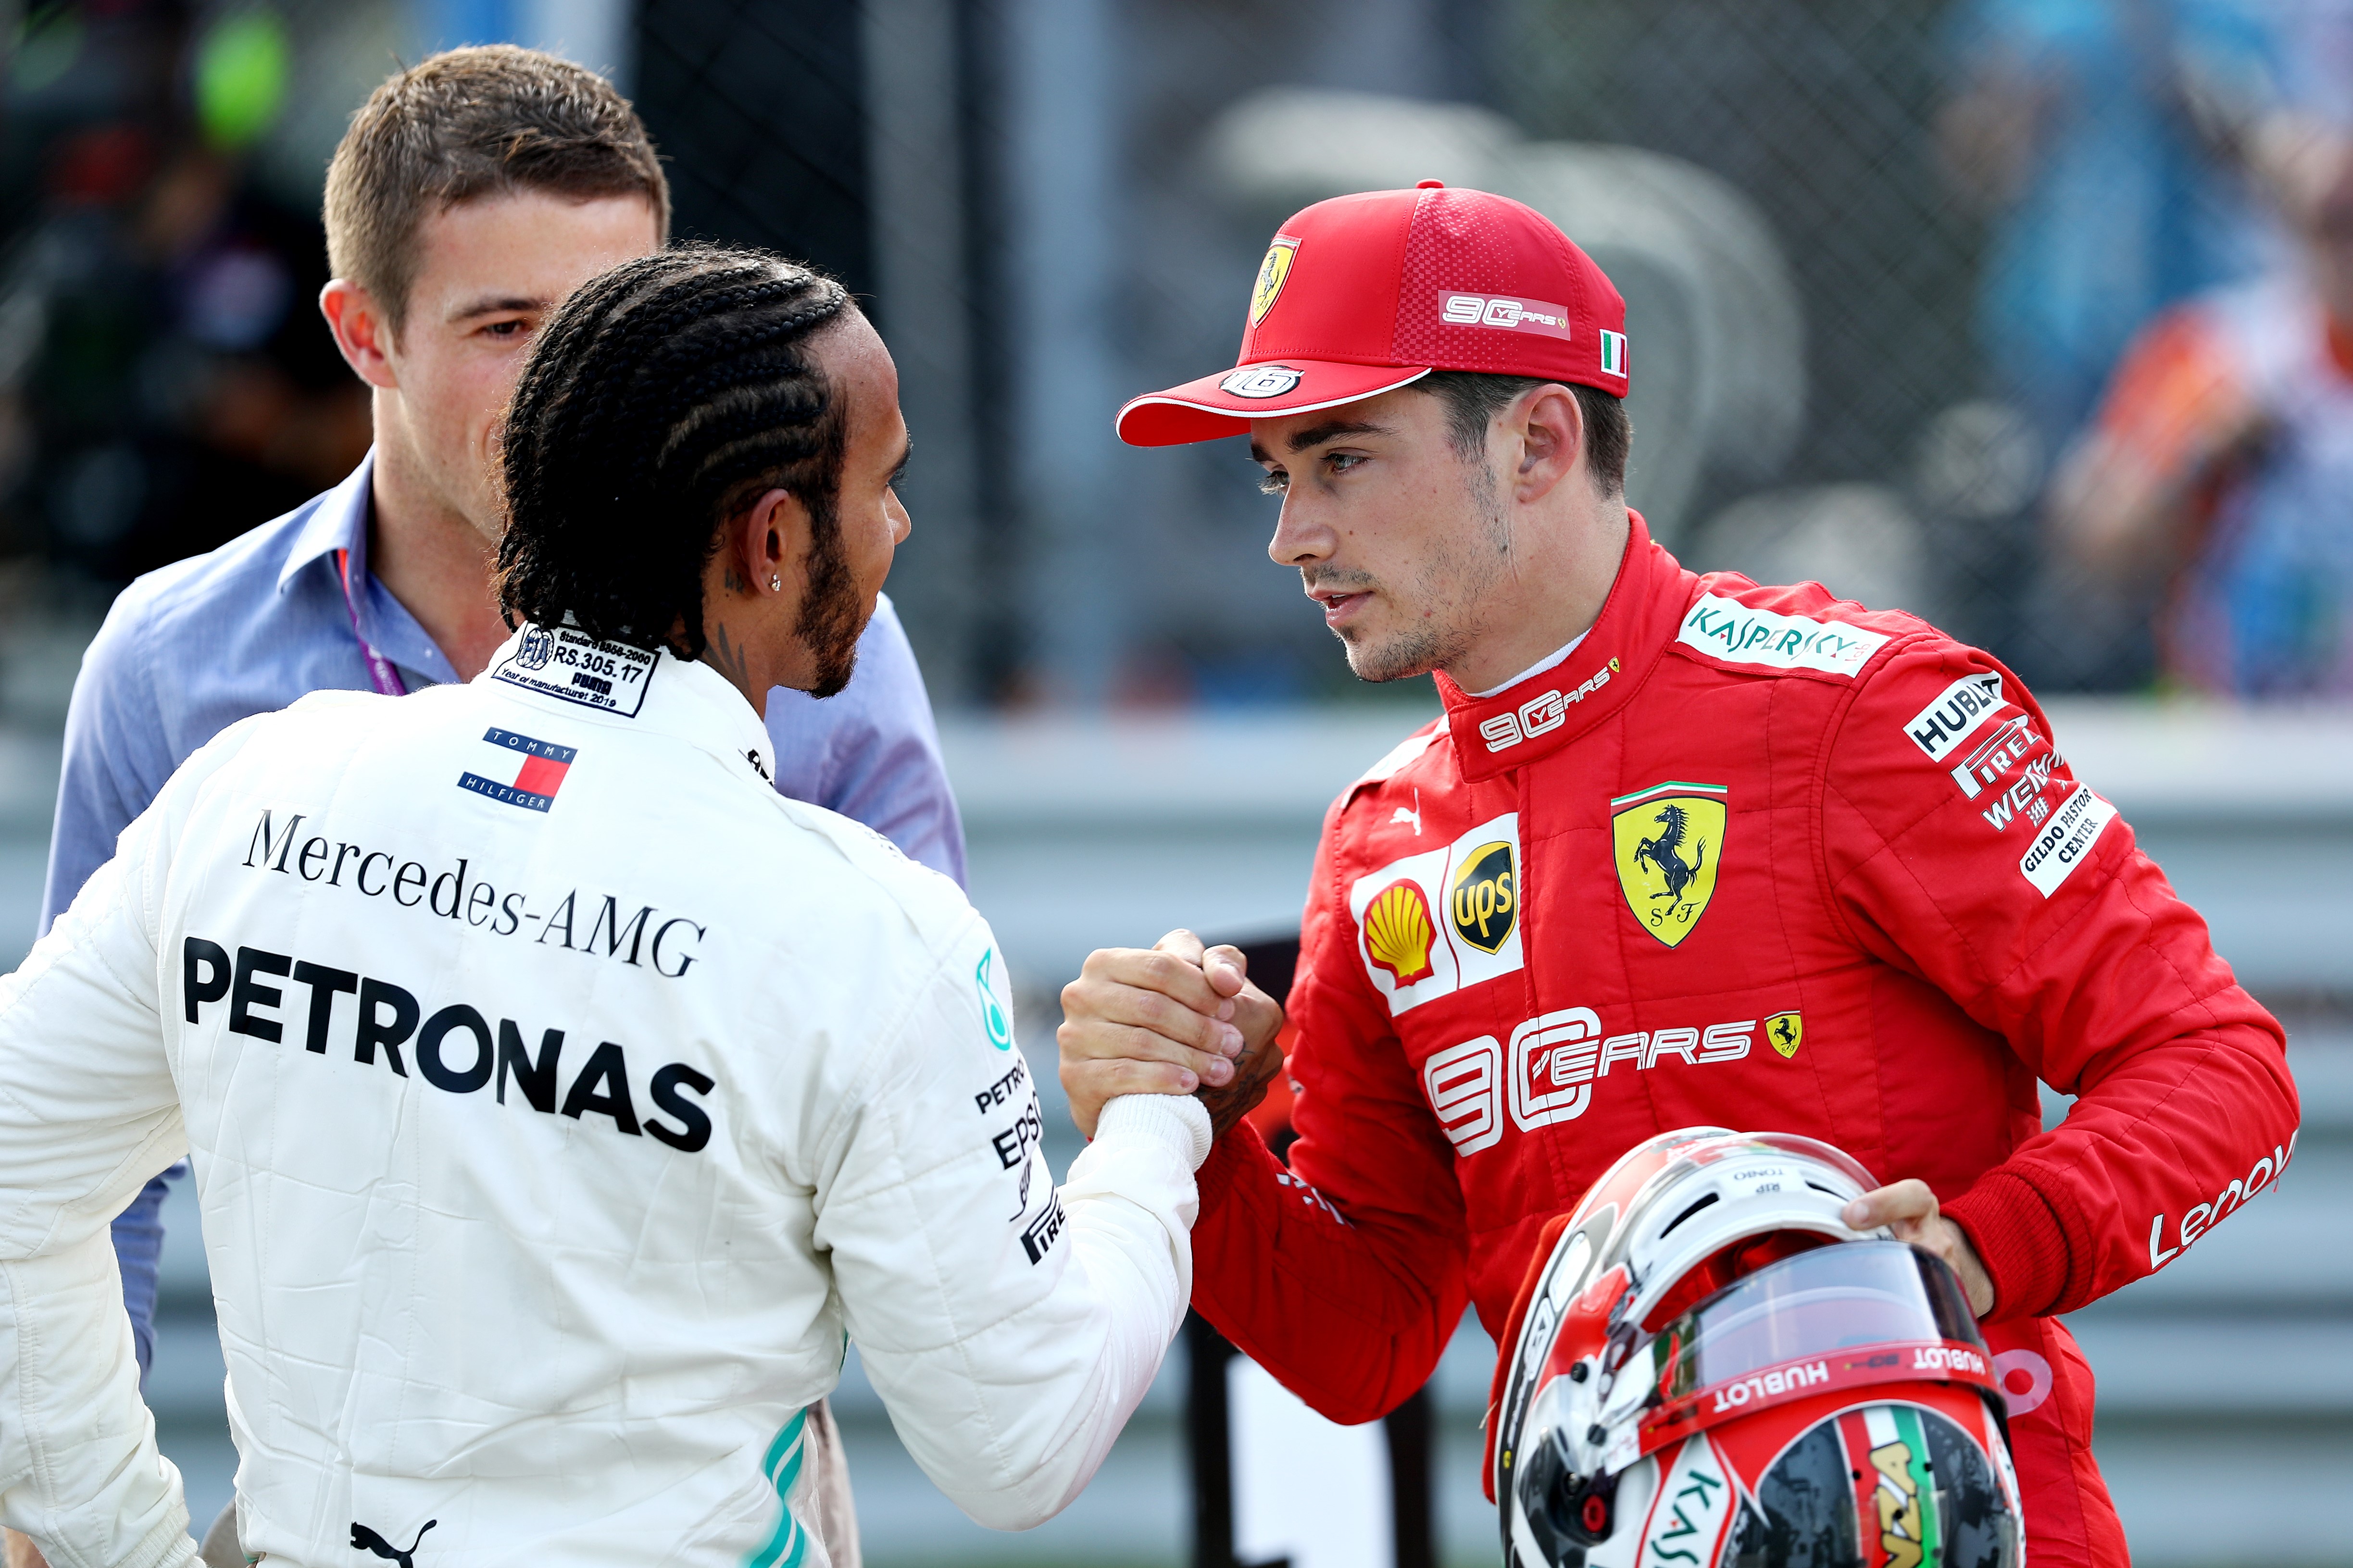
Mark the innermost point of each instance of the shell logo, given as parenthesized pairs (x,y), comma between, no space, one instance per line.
(1399,932)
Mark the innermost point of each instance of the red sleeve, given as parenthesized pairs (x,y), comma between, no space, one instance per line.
(1344,1276)
(2028,903)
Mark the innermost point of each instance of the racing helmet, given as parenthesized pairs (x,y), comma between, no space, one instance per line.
(1709,1367)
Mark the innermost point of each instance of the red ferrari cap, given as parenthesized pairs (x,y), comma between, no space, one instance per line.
(1363,294)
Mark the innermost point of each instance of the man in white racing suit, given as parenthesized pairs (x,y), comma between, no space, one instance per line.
(563,1099)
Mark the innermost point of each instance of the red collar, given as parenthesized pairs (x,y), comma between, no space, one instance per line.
(1534,717)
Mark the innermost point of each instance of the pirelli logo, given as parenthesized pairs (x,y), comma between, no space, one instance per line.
(1043,1231)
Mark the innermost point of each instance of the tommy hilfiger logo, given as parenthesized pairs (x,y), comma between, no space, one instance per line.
(540,775)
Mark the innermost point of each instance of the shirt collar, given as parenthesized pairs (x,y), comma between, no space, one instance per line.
(683,699)
(338,521)
(1555,656)
(1556,702)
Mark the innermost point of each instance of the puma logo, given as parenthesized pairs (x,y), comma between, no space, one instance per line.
(364,1539)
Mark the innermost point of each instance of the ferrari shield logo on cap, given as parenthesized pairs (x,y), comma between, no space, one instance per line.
(1786,1031)
(1271,274)
(1261,381)
(1669,840)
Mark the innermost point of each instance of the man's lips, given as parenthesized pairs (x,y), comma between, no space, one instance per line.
(1339,606)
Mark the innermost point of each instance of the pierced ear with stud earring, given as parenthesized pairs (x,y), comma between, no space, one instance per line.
(776,584)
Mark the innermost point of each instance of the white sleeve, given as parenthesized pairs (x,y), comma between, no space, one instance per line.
(1010,1327)
(89,1111)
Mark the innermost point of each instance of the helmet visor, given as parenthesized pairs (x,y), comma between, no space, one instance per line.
(1790,1329)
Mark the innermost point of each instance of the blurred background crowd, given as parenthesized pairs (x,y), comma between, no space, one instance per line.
(2035,316)
(2032,316)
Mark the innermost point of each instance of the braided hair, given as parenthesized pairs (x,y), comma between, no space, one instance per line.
(662,398)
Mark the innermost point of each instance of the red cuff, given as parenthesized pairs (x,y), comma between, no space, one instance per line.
(2018,1238)
(1229,1156)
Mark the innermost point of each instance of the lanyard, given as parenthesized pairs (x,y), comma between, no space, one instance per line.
(387,679)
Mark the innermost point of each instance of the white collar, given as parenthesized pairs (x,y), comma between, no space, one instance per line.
(1538,668)
(565,668)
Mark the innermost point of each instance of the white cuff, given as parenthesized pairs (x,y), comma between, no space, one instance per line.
(1178,1121)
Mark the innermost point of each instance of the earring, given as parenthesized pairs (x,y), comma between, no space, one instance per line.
(776,584)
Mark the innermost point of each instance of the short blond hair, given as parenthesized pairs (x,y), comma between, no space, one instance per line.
(469,124)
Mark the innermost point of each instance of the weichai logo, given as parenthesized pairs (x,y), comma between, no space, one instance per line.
(1484,902)
(1399,933)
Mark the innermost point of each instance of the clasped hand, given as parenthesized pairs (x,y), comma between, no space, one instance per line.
(1180,1018)
(1177,1018)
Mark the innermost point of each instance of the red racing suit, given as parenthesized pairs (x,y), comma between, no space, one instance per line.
(1761,858)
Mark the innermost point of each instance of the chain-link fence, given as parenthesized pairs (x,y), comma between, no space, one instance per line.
(1880,260)
(1881,257)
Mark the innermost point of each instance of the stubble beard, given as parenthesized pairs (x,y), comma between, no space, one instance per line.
(1453,584)
(833,612)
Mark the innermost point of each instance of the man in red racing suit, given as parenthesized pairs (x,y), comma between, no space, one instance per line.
(1746,856)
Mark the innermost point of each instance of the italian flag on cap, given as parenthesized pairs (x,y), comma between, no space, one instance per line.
(1613,351)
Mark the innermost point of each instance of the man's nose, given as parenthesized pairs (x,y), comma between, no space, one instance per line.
(902,524)
(1298,537)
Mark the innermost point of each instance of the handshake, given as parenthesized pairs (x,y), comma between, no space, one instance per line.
(1183,1019)
(1175,1018)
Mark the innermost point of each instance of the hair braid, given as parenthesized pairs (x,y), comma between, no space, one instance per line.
(662,395)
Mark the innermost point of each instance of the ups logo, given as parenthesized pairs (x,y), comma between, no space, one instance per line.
(1485,899)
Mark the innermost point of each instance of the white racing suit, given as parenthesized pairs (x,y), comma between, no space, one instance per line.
(562,1100)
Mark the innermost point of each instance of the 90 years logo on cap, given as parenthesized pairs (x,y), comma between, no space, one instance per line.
(1261,381)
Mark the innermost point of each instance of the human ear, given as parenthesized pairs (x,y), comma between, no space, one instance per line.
(1550,435)
(770,542)
(360,331)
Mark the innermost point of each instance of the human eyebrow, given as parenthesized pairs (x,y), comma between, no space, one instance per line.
(497,305)
(1316,435)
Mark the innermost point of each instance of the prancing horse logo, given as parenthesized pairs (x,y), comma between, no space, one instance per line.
(1663,836)
(366,1539)
(1661,852)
